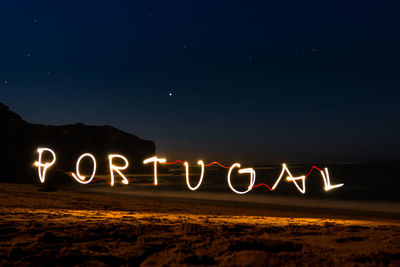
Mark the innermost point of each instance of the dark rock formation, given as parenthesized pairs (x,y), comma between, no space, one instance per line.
(19,141)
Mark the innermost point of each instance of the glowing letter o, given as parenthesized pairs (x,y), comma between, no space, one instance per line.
(78,176)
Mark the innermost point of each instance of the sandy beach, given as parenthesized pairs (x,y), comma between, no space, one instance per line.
(199,133)
(65,227)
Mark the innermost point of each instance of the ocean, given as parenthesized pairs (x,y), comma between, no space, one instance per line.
(367,186)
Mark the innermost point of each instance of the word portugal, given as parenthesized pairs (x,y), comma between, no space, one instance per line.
(44,166)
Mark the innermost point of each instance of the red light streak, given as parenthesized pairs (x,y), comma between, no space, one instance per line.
(216,162)
(226,167)
(174,162)
(42,167)
(207,165)
(312,168)
(262,184)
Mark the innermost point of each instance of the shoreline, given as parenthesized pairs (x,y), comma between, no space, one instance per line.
(68,227)
(225,203)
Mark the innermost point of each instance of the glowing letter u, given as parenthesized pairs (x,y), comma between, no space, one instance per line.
(201,163)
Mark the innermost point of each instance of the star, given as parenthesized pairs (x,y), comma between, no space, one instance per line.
(170,94)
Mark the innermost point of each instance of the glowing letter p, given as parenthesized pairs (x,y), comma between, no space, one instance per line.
(42,167)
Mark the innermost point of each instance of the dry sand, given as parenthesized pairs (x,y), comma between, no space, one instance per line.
(88,228)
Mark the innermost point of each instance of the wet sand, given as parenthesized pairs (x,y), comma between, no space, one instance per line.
(66,227)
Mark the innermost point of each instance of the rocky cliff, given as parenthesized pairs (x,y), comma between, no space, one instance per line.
(19,141)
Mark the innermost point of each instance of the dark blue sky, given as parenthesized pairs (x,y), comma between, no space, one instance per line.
(256,81)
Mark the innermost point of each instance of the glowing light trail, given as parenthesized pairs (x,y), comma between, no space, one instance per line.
(248,170)
(219,164)
(42,167)
(201,163)
(327,181)
(174,162)
(155,160)
(290,178)
(302,189)
(117,168)
(313,168)
(80,178)
(263,184)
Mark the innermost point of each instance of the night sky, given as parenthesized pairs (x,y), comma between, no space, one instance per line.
(255,81)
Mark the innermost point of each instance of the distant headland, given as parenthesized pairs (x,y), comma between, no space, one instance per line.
(20,139)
